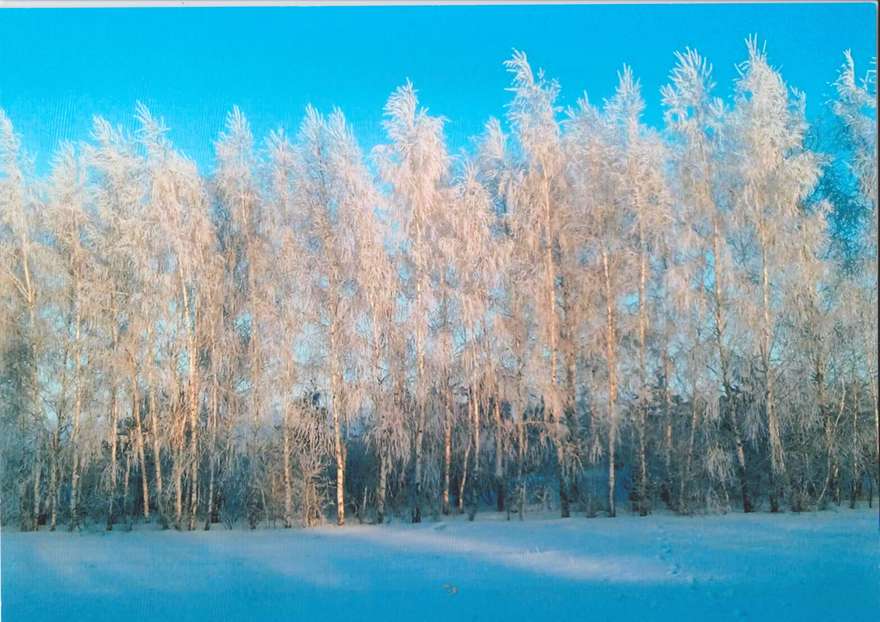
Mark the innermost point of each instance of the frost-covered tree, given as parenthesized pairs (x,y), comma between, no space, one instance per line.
(640,156)
(540,214)
(416,166)
(20,224)
(697,121)
(856,108)
(335,195)
(773,173)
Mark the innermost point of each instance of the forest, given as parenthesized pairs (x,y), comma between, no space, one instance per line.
(581,313)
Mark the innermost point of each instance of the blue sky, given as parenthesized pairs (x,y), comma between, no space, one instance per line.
(190,66)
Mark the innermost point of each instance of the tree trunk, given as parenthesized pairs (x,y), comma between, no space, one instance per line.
(212,457)
(666,493)
(611,359)
(74,435)
(686,475)
(642,493)
(383,484)
(464,473)
(499,457)
(475,478)
(856,462)
(338,448)
(552,334)
(157,457)
(53,482)
(194,402)
(125,484)
(285,463)
(777,463)
(178,467)
(447,450)
(37,486)
(872,386)
(420,380)
(139,439)
(730,401)
(521,459)
(114,416)
(417,483)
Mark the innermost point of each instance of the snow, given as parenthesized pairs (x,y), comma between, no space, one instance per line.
(823,566)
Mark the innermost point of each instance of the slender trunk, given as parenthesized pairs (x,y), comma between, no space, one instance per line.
(856,461)
(338,448)
(254,352)
(55,445)
(285,463)
(37,488)
(464,473)
(212,460)
(562,471)
(178,469)
(611,359)
(522,406)
(570,433)
(777,463)
(475,478)
(447,449)
(76,267)
(550,277)
(383,484)
(30,295)
(642,493)
(74,434)
(420,377)
(139,439)
(53,482)
(114,416)
(730,398)
(667,423)
(689,458)
(872,386)
(38,444)
(157,458)
(193,402)
(499,457)
(831,461)
(520,467)
(339,454)
(125,484)
(417,484)
(827,428)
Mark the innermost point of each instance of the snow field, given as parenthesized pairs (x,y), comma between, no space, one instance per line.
(822,566)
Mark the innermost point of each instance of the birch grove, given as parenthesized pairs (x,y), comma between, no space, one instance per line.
(581,313)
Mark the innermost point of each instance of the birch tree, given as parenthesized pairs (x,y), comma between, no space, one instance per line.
(335,193)
(21,268)
(774,173)
(415,164)
(541,208)
(697,121)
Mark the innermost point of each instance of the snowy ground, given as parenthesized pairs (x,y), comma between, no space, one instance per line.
(823,566)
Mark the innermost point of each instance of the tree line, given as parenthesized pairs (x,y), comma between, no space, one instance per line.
(580,311)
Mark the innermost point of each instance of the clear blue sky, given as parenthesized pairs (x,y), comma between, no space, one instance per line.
(59,67)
